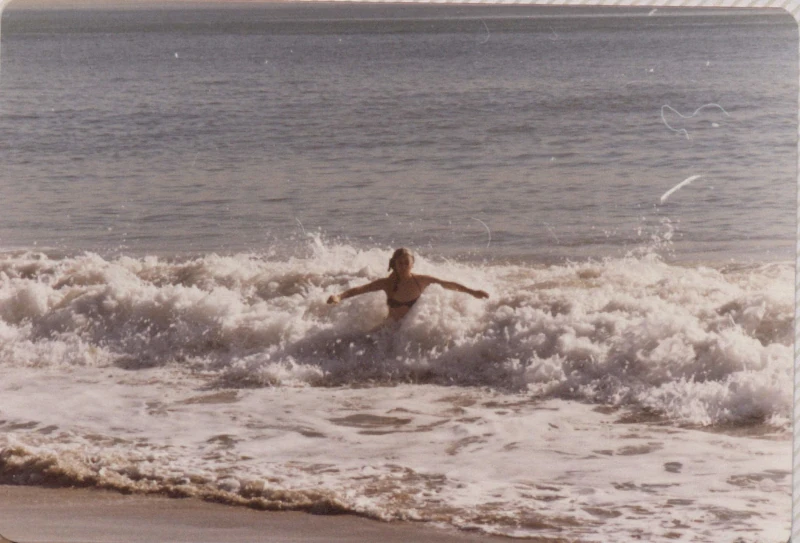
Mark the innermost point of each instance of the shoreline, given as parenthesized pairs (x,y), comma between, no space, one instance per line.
(73,515)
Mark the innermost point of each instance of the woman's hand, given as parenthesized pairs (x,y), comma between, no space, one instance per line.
(334,299)
(480,294)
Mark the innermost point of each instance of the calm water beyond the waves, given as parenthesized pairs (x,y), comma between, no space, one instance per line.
(461,130)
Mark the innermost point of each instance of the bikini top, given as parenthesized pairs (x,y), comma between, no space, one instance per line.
(391,302)
(395,304)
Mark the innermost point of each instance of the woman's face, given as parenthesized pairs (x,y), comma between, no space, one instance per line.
(403,263)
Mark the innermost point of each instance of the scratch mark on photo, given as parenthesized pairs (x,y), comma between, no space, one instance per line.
(679,186)
(489,232)
(698,110)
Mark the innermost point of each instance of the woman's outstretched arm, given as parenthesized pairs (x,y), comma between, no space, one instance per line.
(374,286)
(452,285)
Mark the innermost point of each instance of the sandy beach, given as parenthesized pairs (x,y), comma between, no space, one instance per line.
(42,515)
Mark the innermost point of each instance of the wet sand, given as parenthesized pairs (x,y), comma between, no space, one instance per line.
(41,515)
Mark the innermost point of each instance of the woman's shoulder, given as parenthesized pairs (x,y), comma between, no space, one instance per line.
(382,284)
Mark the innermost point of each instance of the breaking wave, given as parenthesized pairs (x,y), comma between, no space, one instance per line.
(697,344)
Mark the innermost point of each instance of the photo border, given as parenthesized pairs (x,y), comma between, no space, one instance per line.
(790,6)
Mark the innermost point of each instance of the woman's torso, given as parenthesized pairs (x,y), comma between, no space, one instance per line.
(402,294)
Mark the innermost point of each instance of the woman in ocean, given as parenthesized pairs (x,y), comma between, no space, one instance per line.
(402,287)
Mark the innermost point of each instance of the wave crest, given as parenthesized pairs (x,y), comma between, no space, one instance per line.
(698,344)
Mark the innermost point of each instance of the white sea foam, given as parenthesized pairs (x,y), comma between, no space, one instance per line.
(624,332)
(626,398)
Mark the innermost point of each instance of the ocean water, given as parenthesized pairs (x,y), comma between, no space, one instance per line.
(558,129)
(182,189)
